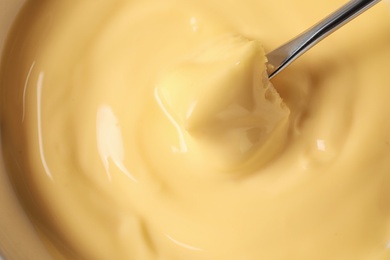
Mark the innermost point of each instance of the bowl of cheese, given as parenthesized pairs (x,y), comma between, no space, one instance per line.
(150,130)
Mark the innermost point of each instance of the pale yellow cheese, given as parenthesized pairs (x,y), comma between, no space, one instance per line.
(223,105)
(148,129)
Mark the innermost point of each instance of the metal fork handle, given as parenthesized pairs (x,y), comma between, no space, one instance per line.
(281,57)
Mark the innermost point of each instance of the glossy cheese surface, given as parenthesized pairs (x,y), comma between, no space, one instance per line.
(149,130)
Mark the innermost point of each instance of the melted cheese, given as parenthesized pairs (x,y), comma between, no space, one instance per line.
(149,130)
